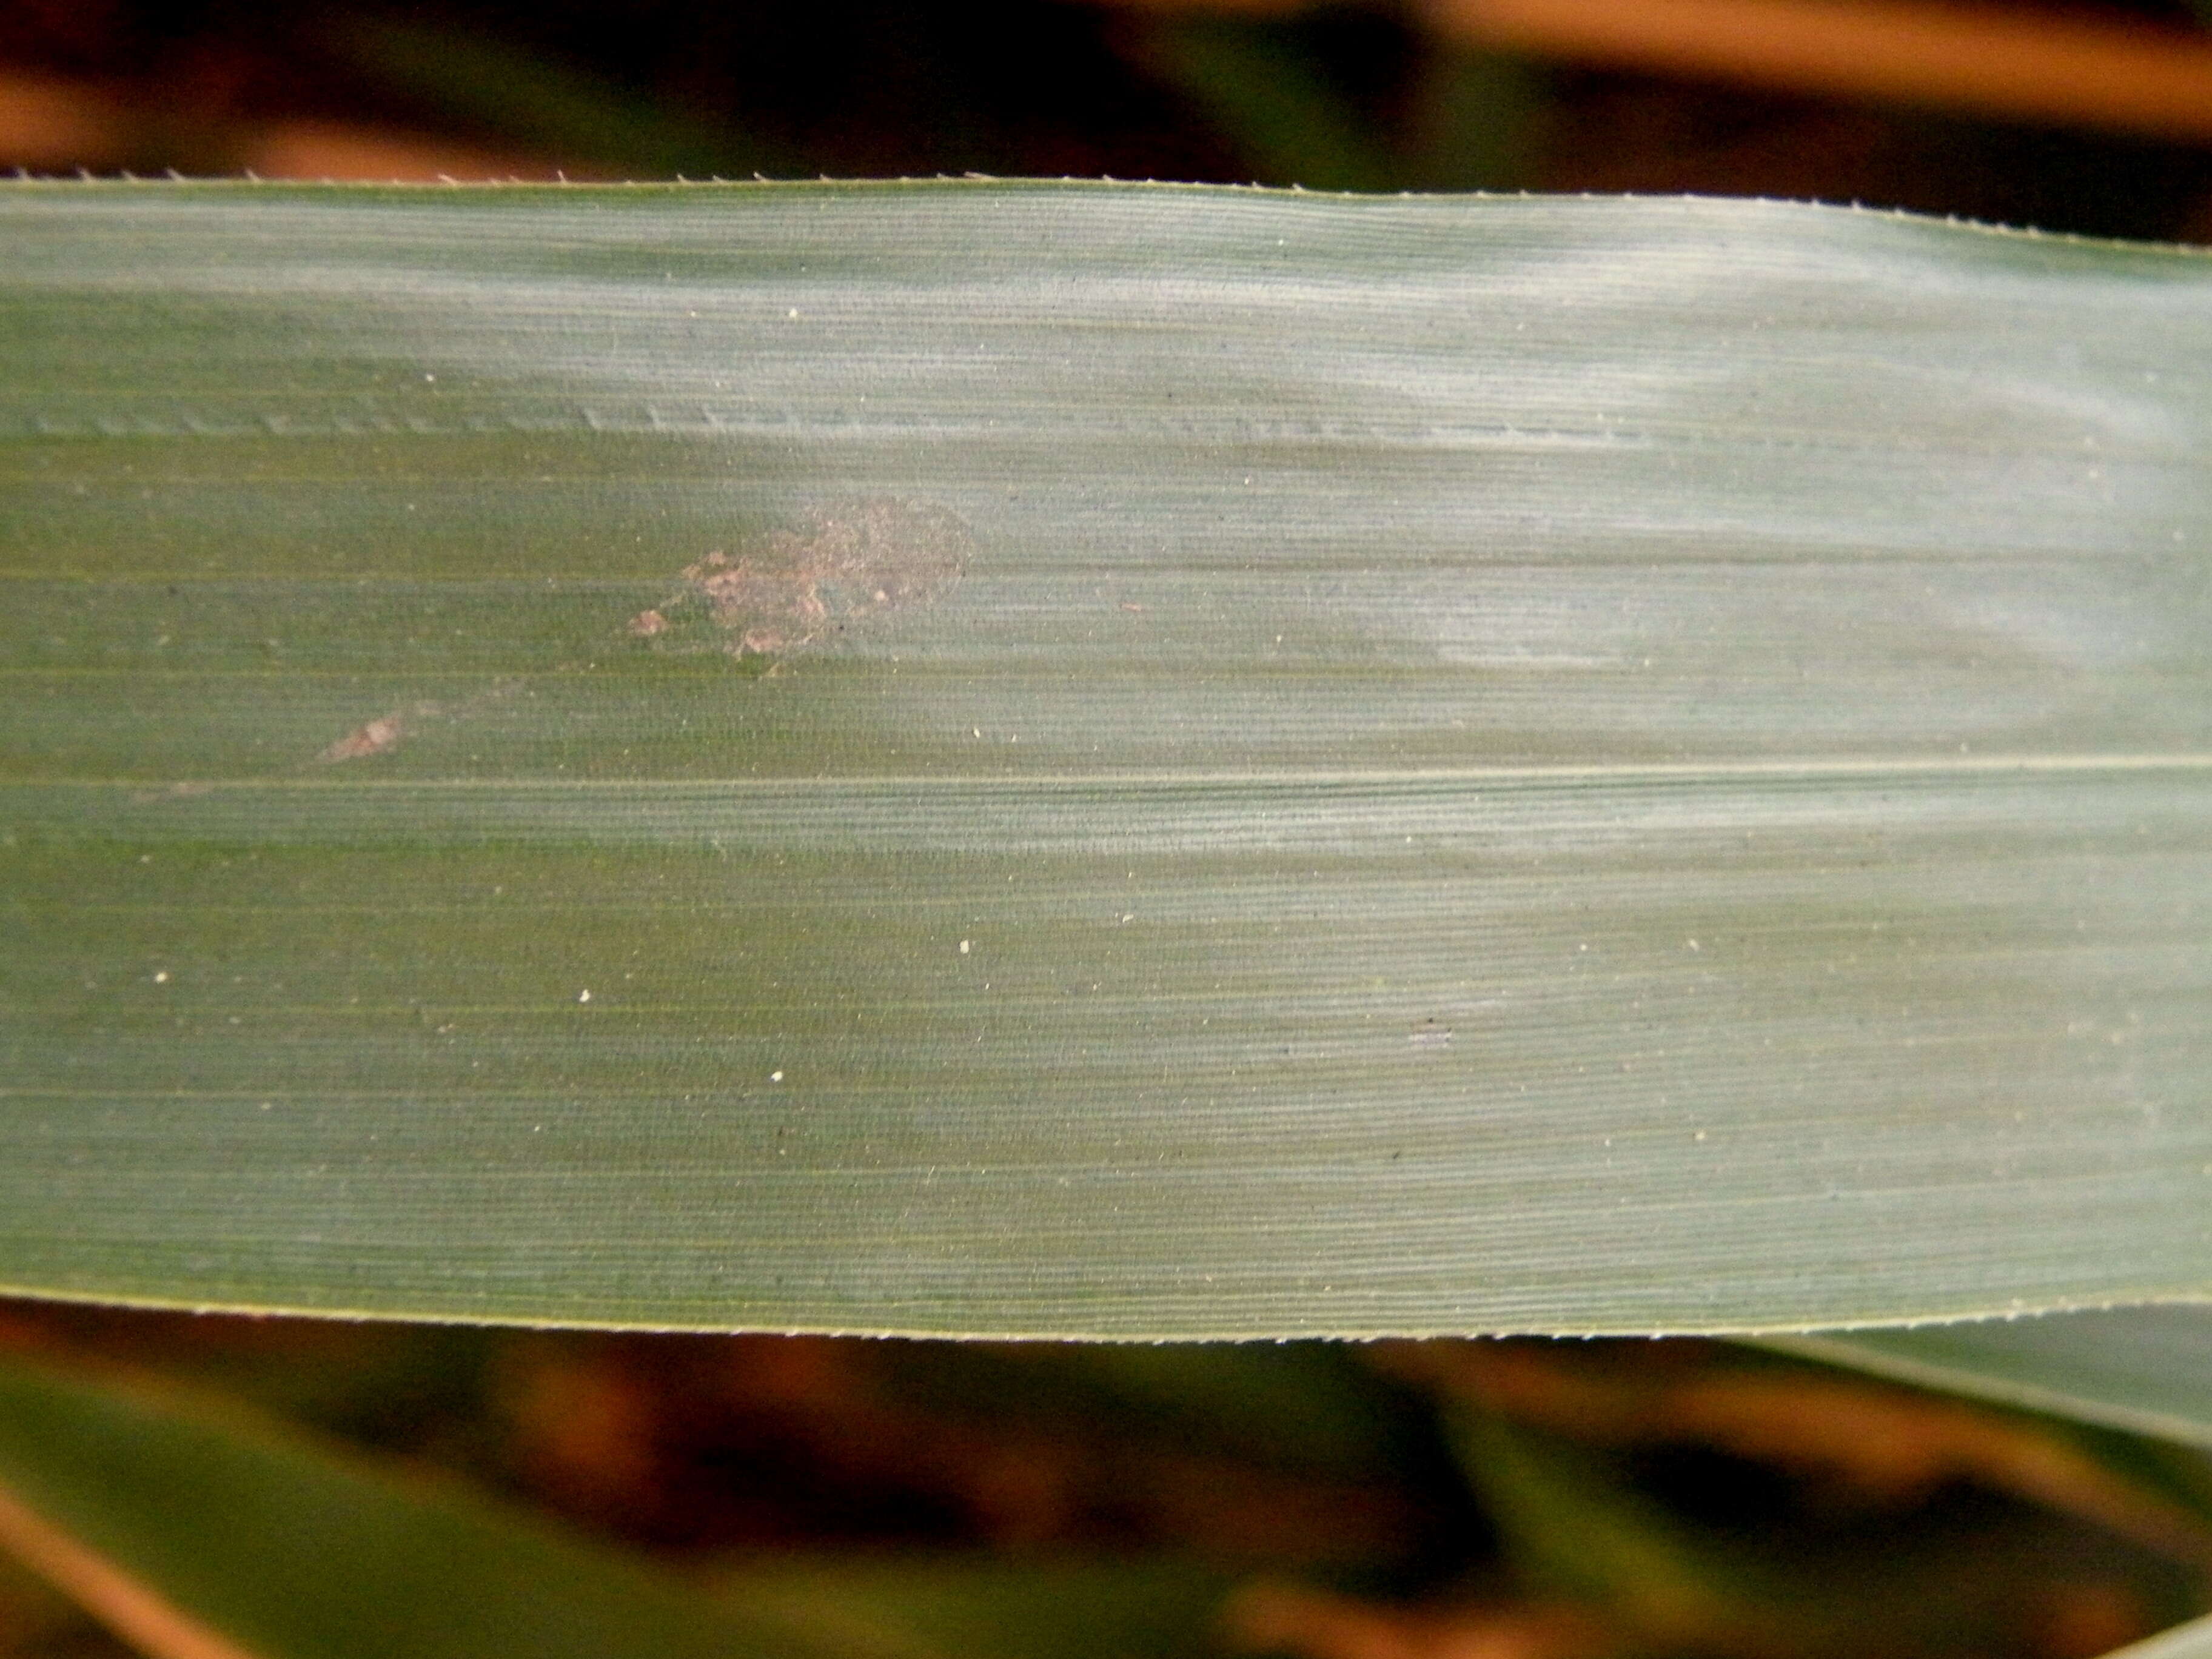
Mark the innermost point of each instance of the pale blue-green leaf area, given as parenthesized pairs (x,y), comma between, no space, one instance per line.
(2145,1370)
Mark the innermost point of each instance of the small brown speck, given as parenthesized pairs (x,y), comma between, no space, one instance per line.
(646,624)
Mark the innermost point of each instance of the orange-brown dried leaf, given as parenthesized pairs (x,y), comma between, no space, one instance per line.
(1290,1619)
(1886,1443)
(751,1440)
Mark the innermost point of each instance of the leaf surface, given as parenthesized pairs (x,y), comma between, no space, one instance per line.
(202,1534)
(203,1530)
(2145,1370)
(1471,765)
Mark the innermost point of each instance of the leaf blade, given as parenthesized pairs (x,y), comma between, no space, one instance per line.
(1646,773)
(169,1497)
(2142,1369)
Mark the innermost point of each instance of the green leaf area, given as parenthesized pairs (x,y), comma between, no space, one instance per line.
(205,1530)
(2147,1371)
(1072,760)
(199,1529)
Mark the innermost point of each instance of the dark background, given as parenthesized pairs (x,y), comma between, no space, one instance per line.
(1360,97)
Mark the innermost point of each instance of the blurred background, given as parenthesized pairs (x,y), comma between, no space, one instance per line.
(1414,1501)
(2092,117)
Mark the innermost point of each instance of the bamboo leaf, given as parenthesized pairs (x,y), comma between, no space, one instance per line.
(1080,760)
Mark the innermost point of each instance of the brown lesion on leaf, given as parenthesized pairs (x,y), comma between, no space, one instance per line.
(376,737)
(785,592)
(795,588)
(388,731)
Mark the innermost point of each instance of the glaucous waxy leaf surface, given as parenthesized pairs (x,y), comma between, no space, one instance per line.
(1083,760)
(2147,1369)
